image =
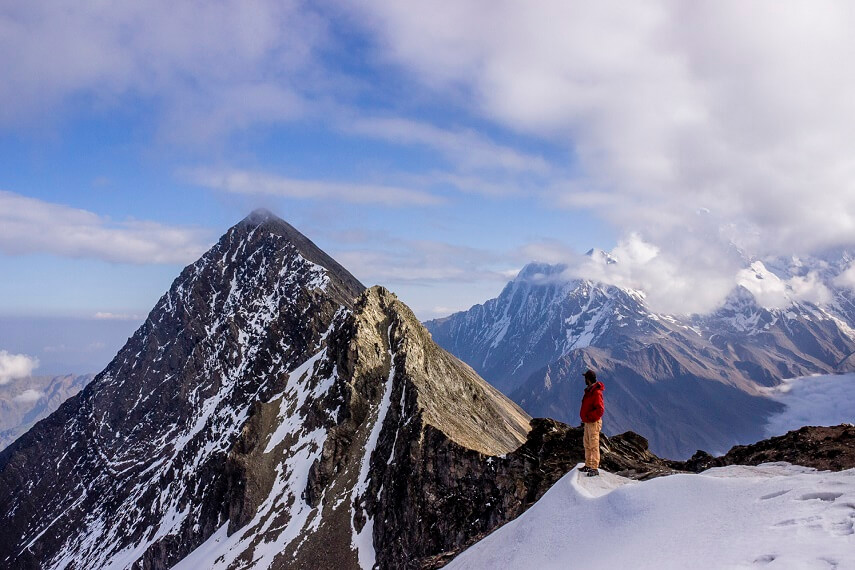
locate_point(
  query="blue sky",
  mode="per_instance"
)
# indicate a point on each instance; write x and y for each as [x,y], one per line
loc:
[432,148]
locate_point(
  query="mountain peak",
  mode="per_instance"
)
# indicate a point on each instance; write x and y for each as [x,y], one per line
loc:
[601,256]
[538,271]
[260,215]
[261,218]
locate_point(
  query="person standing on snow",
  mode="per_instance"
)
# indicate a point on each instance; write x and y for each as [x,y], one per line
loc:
[592,417]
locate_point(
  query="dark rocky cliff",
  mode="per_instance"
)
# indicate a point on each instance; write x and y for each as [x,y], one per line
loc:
[826,448]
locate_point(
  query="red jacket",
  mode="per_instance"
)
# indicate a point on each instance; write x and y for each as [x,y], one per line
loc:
[592,403]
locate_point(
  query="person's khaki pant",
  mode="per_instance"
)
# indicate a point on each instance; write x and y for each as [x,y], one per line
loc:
[591,441]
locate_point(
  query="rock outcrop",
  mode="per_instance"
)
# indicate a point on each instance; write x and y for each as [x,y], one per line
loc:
[825,448]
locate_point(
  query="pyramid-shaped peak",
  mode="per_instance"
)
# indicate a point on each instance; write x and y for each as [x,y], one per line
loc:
[273,225]
[264,217]
[260,215]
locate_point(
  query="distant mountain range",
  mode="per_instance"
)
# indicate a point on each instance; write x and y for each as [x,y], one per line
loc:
[25,401]
[688,383]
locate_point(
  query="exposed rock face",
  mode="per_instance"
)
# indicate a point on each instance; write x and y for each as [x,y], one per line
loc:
[28,400]
[824,448]
[273,412]
[484,493]
[382,402]
[135,467]
[688,383]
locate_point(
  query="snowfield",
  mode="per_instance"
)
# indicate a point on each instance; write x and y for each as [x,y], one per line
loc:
[775,516]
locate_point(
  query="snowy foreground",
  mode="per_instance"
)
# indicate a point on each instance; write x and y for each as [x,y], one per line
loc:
[773,516]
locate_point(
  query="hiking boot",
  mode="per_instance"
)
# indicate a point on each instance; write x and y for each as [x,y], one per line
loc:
[584,469]
[593,472]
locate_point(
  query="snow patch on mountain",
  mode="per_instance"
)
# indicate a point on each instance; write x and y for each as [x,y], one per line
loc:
[363,539]
[776,515]
[285,499]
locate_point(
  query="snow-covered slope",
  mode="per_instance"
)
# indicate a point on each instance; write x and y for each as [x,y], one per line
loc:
[770,516]
[537,318]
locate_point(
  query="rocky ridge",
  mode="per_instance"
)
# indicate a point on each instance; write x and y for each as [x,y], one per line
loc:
[825,448]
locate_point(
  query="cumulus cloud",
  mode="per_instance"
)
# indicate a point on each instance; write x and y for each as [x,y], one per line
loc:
[813,401]
[29,225]
[670,284]
[264,184]
[743,114]
[846,278]
[14,366]
[206,66]
[467,148]
[28,396]
[773,292]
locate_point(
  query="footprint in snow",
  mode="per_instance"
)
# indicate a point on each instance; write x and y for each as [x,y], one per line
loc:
[827,497]
[774,495]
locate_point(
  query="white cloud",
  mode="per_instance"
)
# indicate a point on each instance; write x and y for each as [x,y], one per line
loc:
[773,292]
[742,114]
[846,278]
[28,396]
[263,184]
[813,401]
[671,284]
[206,66]
[467,148]
[107,316]
[14,366]
[28,225]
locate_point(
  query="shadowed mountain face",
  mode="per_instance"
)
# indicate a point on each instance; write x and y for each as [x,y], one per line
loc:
[273,411]
[140,457]
[687,383]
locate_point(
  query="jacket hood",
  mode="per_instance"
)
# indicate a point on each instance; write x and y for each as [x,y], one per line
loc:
[595,386]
